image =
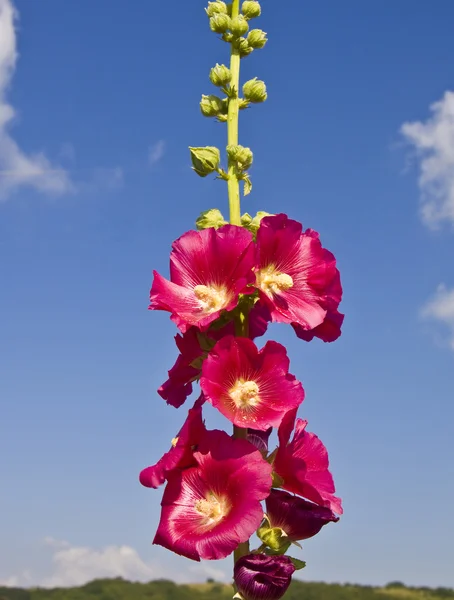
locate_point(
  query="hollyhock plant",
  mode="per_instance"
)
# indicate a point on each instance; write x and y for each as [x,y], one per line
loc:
[208,271]
[209,509]
[229,279]
[181,454]
[297,278]
[261,577]
[303,465]
[251,387]
[296,517]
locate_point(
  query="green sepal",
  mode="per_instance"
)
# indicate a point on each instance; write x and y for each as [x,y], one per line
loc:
[275,538]
[277,479]
[298,564]
[247,185]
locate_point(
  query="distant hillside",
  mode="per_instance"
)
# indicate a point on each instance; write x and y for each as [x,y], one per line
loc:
[118,589]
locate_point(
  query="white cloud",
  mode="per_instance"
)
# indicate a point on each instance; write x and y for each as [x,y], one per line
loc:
[441,308]
[18,169]
[156,152]
[76,565]
[433,141]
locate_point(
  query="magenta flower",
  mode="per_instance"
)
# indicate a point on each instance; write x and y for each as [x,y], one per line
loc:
[303,465]
[328,331]
[251,388]
[298,518]
[179,384]
[209,509]
[181,454]
[297,278]
[208,270]
[261,577]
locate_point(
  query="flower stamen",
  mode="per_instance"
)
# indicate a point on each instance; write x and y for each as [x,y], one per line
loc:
[245,394]
[211,298]
[272,281]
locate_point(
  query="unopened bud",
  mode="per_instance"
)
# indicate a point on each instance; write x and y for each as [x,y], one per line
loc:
[211,106]
[205,160]
[251,9]
[239,26]
[215,8]
[220,75]
[220,23]
[254,90]
[210,218]
[244,48]
[243,156]
[257,38]
[253,224]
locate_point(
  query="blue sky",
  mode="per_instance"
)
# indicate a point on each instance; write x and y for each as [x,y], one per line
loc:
[95,184]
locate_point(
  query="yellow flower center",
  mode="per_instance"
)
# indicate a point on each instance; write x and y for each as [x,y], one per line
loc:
[212,509]
[245,394]
[211,298]
[272,281]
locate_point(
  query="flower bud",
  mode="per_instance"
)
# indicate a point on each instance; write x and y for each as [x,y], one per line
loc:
[253,224]
[243,156]
[298,518]
[220,23]
[258,438]
[254,90]
[205,160]
[220,75]
[256,38]
[210,218]
[251,9]
[217,7]
[211,106]
[239,26]
[244,48]
[261,577]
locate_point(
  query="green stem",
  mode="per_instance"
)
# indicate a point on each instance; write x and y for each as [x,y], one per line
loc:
[233,184]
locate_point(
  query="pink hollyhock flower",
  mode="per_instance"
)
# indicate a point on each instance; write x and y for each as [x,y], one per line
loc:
[328,331]
[297,278]
[209,509]
[179,385]
[181,454]
[303,465]
[261,577]
[208,270]
[193,346]
[251,388]
[298,518]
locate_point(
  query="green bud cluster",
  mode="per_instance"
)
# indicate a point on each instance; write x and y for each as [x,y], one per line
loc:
[210,218]
[241,155]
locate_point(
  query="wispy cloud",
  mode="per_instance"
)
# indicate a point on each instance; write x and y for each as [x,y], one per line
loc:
[440,308]
[433,141]
[156,152]
[17,169]
[76,565]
